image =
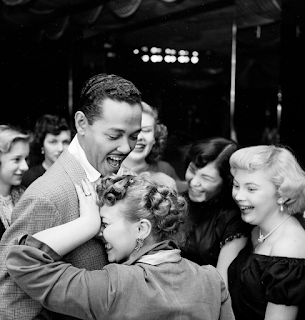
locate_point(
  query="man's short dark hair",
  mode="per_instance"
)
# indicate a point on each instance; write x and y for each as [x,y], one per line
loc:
[101,87]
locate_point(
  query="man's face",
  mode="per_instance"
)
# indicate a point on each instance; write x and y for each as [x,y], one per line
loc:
[109,140]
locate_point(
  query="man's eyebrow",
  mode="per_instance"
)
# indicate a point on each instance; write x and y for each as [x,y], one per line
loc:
[116,130]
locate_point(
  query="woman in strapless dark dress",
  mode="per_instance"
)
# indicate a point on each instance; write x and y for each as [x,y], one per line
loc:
[267,279]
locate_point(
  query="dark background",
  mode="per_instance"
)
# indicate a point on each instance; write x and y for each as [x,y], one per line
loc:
[44,44]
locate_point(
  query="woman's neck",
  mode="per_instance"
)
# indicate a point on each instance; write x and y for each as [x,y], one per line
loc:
[46,164]
[272,221]
[5,190]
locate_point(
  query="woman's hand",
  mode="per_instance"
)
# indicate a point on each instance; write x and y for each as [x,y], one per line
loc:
[87,199]
[88,205]
[66,237]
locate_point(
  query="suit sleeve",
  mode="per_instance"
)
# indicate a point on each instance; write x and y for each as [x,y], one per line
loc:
[31,214]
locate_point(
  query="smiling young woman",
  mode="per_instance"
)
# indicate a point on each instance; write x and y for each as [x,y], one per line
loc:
[269,189]
[14,150]
[147,154]
[216,232]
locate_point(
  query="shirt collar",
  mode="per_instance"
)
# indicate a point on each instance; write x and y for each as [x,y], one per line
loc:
[77,151]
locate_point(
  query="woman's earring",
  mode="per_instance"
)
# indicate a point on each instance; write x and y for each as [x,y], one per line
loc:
[42,151]
[281,205]
[139,245]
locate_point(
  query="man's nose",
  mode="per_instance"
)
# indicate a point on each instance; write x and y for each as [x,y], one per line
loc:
[125,147]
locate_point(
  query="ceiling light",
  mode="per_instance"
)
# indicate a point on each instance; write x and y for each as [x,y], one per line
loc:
[145,58]
[194,60]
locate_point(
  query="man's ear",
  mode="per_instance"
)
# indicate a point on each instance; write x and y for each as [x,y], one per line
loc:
[81,122]
[144,228]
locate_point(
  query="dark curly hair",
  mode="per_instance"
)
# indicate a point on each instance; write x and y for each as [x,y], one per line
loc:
[218,150]
[48,123]
[161,134]
[146,199]
[101,87]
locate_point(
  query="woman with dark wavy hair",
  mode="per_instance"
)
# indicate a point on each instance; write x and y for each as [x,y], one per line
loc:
[215,231]
[52,136]
[141,224]
[147,154]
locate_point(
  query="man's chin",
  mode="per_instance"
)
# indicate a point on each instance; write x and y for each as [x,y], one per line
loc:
[110,170]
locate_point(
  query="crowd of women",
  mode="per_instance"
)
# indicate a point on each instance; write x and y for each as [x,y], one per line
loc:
[233,230]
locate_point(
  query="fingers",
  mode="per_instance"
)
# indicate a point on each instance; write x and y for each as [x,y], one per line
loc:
[86,189]
[79,190]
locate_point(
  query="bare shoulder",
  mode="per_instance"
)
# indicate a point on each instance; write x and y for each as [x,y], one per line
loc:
[291,244]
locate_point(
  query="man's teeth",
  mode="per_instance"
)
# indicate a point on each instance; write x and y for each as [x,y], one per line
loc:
[246,208]
[115,161]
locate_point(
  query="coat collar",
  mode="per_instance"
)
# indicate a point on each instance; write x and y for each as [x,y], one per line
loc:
[157,253]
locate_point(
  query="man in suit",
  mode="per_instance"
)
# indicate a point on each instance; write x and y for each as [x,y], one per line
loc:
[108,122]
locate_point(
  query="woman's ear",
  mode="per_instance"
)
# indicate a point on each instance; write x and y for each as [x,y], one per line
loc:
[282,200]
[144,228]
[81,122]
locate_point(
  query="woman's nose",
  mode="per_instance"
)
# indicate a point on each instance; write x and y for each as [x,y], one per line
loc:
[60,147]
[237,195]
[24,165]
[195,181]
[140,136]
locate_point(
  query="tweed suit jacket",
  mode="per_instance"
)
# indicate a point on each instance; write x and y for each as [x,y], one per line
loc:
[49,201]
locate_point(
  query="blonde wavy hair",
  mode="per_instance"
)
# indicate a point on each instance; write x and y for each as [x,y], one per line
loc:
[9,135]
[281,166]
